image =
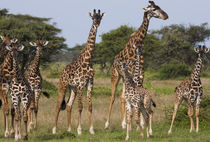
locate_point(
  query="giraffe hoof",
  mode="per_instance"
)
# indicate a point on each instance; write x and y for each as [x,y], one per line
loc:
[126,138]
[123,125]
[25,138]
[6,134]
[69,130]
[91,131]
[142,135]
[79,131]
[106,124]
[54,130]
[169,132]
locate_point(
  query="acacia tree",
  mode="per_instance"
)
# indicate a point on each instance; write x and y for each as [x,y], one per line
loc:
[27,28]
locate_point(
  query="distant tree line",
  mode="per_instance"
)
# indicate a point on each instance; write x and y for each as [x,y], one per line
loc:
[27,28]
[171,45]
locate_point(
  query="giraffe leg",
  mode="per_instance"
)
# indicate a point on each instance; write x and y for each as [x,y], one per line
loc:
[3,91]
[197,116]
[26,104]
[150,123]
[176,106]
[190,114]
[80,107]
[12,120]
[69,108]
[137,118]
[30,118]
[123,112]
[30,112]
[61,94]
[128,119]
[16,105]
[141,121]
[89,95]
[114,82]
[37,94]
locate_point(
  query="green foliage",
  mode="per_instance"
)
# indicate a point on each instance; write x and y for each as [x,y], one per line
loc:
[27,28]
[54,70]
[112,43]
[182,118]
[168,71]
[49,87]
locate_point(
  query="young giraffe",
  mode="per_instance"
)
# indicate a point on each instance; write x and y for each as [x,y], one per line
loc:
[147,98]
[20,92]
[5,79]
[35,80]
[134,97]
[128,53]
[191,91]
[76,76]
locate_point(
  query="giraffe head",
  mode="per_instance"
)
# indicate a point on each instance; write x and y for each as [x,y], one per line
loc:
[8,40]
[201,50]
[39,44]
[124,67]
[14,47]
[155,11]
[96,17]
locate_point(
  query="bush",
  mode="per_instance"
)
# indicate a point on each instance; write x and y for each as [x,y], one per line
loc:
[170,71]
[182,118]
[49,87]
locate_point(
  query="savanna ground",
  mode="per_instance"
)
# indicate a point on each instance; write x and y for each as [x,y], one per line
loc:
[162,92]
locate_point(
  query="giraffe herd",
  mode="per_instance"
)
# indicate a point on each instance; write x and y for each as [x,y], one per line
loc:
[128,65]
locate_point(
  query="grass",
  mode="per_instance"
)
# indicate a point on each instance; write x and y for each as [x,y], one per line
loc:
[162,93]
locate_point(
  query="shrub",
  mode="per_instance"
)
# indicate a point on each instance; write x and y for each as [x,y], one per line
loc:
[182,118]
[49,87]
[169,71]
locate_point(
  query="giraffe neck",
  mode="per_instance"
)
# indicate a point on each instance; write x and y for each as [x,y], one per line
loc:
[138,72]
[197,70]
[138,36]
[86,53]
[15,68]
[7,64]
[129,82]
[36,62]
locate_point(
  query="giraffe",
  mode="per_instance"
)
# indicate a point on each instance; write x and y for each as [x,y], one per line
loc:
[5,79]
[35,79]
[76,76]
[147,98]
[20,92]
[134,98]
[128,53]
[191,91]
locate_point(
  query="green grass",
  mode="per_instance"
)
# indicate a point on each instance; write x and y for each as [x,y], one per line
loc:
[179,134]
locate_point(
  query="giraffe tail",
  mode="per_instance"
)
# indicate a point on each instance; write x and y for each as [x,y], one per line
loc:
[144,112]
[46,94]
[153,103]
[0,103]
[63,105]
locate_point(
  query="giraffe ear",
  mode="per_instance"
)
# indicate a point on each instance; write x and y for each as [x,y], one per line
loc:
[206,50]
[2,37]
[14,40]
[145,9]
[20,48]
[89,14]
[45,43]
[103,14]
[196,49]
[33,43]
[9,48]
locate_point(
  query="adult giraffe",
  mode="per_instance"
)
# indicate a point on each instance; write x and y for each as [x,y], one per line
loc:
[76,76]
[6,74]
[128,53]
